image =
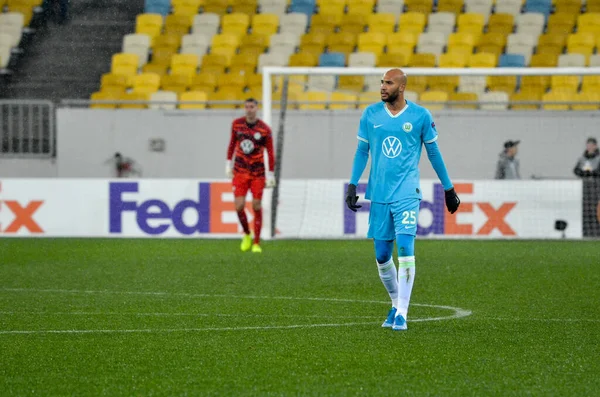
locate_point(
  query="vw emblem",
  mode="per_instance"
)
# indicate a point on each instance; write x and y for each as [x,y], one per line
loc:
[391,147]
[247,146]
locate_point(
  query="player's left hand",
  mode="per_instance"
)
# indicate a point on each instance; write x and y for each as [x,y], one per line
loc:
[270,180]
[352,198]
[452,200]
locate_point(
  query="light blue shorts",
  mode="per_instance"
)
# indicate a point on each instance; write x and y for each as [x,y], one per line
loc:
[388,220]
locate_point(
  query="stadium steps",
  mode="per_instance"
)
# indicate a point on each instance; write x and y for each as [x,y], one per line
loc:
[66,61]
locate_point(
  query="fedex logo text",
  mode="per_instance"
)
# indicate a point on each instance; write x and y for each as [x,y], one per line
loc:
[444,223]
[22,215]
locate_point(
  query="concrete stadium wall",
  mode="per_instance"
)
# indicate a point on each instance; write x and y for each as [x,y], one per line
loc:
[317,144]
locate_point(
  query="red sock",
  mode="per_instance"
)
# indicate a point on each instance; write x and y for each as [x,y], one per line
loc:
[244,221]
[257,225]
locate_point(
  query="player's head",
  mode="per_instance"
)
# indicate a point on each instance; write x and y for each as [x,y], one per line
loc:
[393,85]
[251,107]
[591,145]
[511,148]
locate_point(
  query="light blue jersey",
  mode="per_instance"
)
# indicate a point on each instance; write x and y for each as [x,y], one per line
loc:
[395,144]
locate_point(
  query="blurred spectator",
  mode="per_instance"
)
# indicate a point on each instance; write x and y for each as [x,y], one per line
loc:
[588,164]
[508,164]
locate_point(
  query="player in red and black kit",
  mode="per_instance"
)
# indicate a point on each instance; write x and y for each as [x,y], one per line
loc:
[250,136]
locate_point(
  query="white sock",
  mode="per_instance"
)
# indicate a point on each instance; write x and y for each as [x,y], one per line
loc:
[406,278]
[389,278]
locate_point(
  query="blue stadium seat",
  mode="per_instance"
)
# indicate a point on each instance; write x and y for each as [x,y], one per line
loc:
[162,7]
[307,9]
[512,61]
[332,59]
[540,6]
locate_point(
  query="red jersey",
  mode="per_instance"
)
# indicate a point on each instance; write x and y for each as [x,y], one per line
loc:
[249,142]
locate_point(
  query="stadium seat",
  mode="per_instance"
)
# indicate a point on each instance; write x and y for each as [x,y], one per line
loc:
[519,41]
[243,63]
[135,97]
[434,100]
[114,82]
[165,100]
[193,96]
[525,96]
[581,43]
[432,42]
[353,23]
[512,7]
[420,6]
[456,100]
[216,6]
[530,23]
[382,23]
[592,6]
[590,84]
[461,41]
[159,69]
[441,22]
[443,83]
[401,40]
[178,5]
[341,42]
[393,60]
[206,24]
[162,56]
[368,98]
[254,44]
[170,41]
[361,6]
[362,59]
[412,22]
[567,6]
[231,81]
[205,82]
[126,64]
[271,59]
[179,82]
[224,40]
[551,43]
[135,41]
[470,22]
[557,96]
[184,63]
[482,60]
[178,24]
[564,83]
[304,59]
[417,84]
[594,60]
[321,83]
[589,22]
[493,100]
[371,42]
[332,59]
[483,7]
[511,60]
[342,100]
[194,44]
[475,84]
[501,23]
[571,60]
[539,6]
[105,96]
[535,84]
[561,23]
[313,100]
[422,60]
[276,7]
[325,23]
[450,60]
[248,7]
[390,6]
[225,95]
[214,63]
[236,24]
[146,82]
[592,97]
[265,24]
[293,23]
[506,84]
[451,6]
[492,43]
[351,83]
[12,34]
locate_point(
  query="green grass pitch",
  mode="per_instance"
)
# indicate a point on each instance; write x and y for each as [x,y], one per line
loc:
[198,317]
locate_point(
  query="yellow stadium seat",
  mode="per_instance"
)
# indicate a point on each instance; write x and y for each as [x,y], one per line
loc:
[205,82]
[178,24]
[183,62]
[443,83]
[243,62]
[451,60]
[568,6]
[144,81]
[235,24]
[341,42]
[589,22]
[422,60]
[561,23]
[316,100]
[536,84]
[383,23]
[506,84]
[501,23]
[353,23]
[117,81]
[105,96]
[254,44]
[592,6]
[371,42]
[421,6]
[331,6]
[544,60]
[149,20]
[214,60]
[216,6]
[176,82]
[417,84]
[316,39]
[151,31]
[557,96]
[113,89]
[564,83]
[135,97]
[162,56]
[255,92]
[461,41]
[126,64]
[159,69]
[361,6]
[581,43]
[342,100]
[244,6]
[403,39]
[231,81]
[453,6]
[393,60]
[455,99]
[254,79]
[551,43]
[590,84]
[525,96]
[186,11]
[492,43]
[434,100]
[265,24]
[225,40]
[368,98]
[325,23]
[482,60]
[412,22]
[186,5]
[592,97]
[470,20]
[304,59]
[193,96]
[171,41]
[351,83]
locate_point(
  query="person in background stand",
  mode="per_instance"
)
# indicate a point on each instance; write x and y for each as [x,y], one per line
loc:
[508,164]
[588,164]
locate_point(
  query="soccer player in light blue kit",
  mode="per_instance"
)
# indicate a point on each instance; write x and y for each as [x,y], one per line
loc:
[393,132]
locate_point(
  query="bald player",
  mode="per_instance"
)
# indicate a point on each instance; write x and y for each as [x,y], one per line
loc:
[393,132]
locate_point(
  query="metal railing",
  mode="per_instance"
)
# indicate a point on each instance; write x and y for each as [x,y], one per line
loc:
[27,129]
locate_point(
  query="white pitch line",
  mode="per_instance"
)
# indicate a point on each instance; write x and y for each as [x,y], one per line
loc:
[566,320]
[32,313]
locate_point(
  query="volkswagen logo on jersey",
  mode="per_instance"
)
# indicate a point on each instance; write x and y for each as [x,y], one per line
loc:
[391,147]
[407,127]
[247,146]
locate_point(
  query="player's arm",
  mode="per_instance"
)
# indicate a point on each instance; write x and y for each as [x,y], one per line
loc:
[429,137]
[271,159]
[230,150]
[361,157]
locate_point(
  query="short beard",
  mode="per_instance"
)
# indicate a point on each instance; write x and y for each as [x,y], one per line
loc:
[392,97]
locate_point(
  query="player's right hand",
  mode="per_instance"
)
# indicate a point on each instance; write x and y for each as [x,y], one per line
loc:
[352,198]
[452,200]
[228,170]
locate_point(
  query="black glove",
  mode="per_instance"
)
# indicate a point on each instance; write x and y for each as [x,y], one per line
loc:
[452,200]
[352,198]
